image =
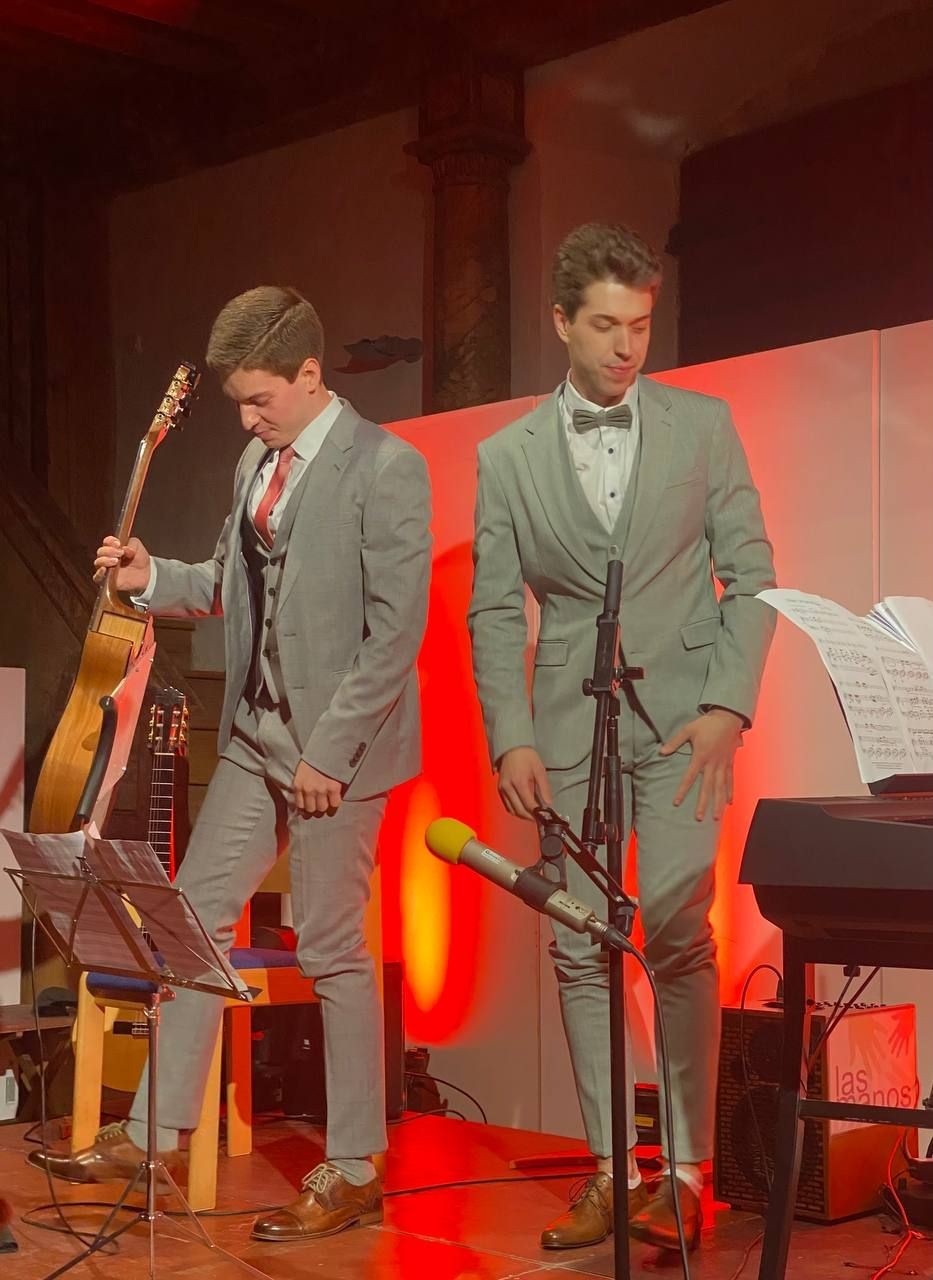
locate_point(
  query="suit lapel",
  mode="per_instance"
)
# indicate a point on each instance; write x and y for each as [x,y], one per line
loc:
[254,455]
[549,474]
[316,491]
[654,406]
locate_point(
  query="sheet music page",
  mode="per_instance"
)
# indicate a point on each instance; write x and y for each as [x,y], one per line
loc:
[914,615]
[885,618]
[884,686]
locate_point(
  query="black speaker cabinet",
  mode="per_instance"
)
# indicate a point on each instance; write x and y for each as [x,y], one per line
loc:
[842,1165]
[288,1055]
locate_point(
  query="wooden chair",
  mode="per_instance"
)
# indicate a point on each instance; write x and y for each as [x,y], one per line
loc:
[275,975]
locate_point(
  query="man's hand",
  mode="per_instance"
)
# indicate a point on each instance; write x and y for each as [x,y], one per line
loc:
[315,794]
[716,736]
[523,783]
[131,562]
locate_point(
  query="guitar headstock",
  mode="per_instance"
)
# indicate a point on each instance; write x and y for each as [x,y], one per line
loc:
[176,403]
[168,723]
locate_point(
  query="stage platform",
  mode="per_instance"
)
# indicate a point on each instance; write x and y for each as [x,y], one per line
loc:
[481,1232]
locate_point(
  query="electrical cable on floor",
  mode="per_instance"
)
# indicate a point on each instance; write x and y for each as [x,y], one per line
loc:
[426,1075]
[747,1254]
[270,1208]
[83,1237]
[438,1111]
[909,1232]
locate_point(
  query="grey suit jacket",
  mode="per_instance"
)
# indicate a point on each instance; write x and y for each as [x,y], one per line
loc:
[695,508]
[351,602]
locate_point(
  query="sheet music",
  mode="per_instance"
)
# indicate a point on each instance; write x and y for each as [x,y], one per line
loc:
[117,912]
[914,615]
[883,683]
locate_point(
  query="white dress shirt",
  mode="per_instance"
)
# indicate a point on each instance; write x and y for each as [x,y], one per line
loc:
[306,446]
[603,456]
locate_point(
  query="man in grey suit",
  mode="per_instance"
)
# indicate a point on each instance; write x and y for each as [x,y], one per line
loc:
[616,460]
[321,573]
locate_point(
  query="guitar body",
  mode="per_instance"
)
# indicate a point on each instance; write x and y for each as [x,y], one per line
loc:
[124,1054]
[105,660]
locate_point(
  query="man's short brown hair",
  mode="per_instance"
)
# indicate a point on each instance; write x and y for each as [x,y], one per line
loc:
[270,328]
[597,251]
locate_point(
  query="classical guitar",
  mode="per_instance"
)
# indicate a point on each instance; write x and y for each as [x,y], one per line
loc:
[126,1047]
[114,638]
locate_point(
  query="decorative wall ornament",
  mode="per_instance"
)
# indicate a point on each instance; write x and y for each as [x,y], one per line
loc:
[369,354]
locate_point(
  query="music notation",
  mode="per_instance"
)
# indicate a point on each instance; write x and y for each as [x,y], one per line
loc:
[881,667]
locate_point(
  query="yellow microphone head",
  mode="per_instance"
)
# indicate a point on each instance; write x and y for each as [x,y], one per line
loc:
[446,837]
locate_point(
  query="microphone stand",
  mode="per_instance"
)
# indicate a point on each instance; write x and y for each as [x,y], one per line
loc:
[606,767]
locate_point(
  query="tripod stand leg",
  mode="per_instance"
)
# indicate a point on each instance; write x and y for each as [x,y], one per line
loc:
[193,1228]
[104,1237]
[788,1138]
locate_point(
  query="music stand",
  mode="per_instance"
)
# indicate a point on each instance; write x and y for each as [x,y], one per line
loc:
[108,908]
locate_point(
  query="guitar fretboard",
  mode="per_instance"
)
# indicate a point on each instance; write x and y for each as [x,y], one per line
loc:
[161,833]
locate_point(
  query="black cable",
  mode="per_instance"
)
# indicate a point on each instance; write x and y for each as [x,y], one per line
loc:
[478,1182]
[749,1247]
[68,1229]
[426,1075]
[829,1024]
[270,1208]
[83,1237]
[438,1111]
[743,1060]
[836,1016]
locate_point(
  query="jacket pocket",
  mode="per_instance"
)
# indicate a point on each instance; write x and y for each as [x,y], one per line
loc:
[551,653]
[691,477]
[704,631]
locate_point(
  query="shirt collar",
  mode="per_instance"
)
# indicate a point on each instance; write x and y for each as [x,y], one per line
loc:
[307,443]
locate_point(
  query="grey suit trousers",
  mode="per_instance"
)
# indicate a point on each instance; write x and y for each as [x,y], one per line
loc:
[676,884]
[245,821]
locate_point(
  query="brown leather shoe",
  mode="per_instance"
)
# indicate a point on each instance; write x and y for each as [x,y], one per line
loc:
[656,1223]
[589,1218]
[327,1204]
[112,1157]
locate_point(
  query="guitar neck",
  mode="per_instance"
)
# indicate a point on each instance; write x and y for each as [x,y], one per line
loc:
[108,600]
[162,810]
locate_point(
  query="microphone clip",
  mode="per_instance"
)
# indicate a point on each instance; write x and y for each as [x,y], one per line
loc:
[556,839]
[553,846]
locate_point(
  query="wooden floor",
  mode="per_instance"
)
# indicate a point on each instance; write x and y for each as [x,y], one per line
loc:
[482,1232]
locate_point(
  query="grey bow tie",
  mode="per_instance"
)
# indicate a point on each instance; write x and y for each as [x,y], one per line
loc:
[620,415]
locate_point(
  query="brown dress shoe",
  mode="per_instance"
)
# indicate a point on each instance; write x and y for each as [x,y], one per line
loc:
[112,1157]
[327,1204]
[589,1218]
[656,1223]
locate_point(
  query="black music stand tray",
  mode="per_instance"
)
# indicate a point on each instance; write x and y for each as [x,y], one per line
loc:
[803,946]
[109,909]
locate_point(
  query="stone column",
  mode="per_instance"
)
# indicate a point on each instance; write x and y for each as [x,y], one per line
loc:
[470,133]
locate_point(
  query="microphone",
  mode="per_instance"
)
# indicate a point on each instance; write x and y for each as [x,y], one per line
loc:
[455,842]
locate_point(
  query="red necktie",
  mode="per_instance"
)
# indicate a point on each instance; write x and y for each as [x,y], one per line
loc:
[272,494]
